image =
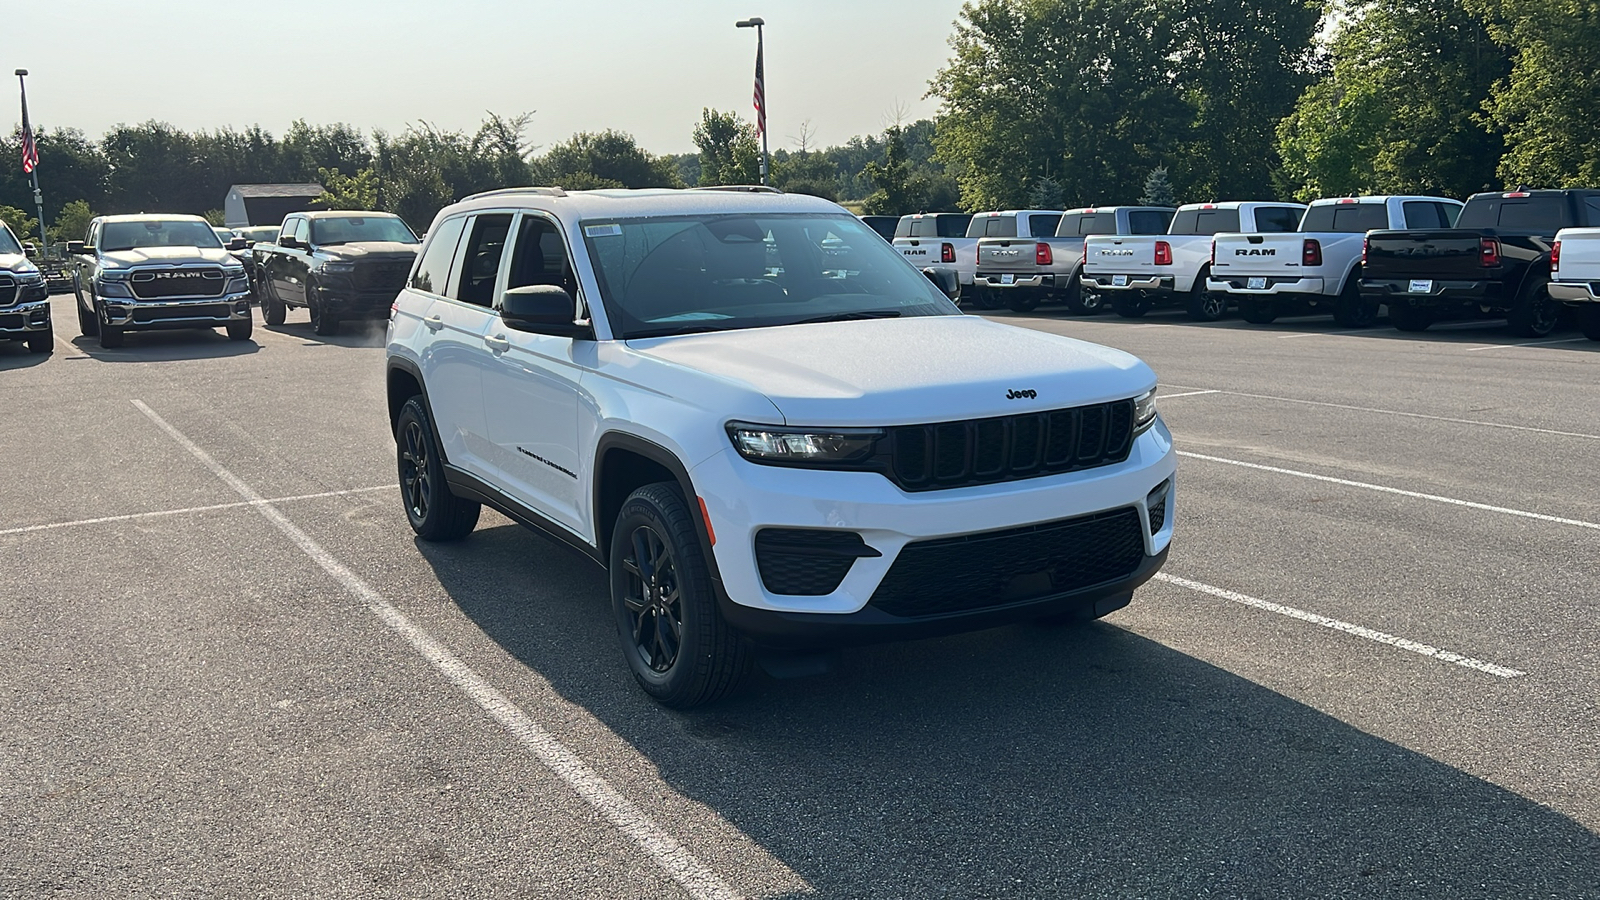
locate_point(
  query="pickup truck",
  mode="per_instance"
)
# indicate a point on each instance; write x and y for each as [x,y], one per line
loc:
[1575,276]
[938,239]
[1141,272]
[340,265]
[1317,267]
[1047,265]
[1495,258]
[24,297]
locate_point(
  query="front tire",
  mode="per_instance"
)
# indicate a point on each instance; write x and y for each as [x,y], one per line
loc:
[1536,313]
[41,342]
[111,336]
[88,325]
[1258,312]
[322,324]
[675,640]
[435,514]
[1589,320]
[240,331]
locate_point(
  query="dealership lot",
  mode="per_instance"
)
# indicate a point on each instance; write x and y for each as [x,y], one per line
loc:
[1370,667]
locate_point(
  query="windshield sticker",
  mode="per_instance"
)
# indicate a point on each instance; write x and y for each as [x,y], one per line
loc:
[602,230]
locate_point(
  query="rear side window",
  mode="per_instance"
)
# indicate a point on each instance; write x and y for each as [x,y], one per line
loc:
[953,226]
[1043,226]
[1148,221]
[1449,212]
[1423,214]
[1345,218]
[433,269]
[1076,224]
[480,264]
[1276,219]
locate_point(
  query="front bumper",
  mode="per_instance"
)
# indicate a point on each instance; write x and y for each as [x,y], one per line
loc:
[25,318]
[1272,284]
[1154,283]
[1441,293]
[1038,282]
[189,312]
[742,498]
[1575,291]
[345,301]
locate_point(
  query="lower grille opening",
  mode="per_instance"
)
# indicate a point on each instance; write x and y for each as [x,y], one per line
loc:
[1000,568]
[807,562]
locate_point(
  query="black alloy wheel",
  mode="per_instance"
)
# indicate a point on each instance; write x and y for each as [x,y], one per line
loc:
[1350,309]
[1536,313]
[1204,305]
[1084,303]
[435,514]
[674,639]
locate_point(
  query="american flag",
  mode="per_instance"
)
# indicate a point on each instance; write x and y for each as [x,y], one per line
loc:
[30,151]
[760,95]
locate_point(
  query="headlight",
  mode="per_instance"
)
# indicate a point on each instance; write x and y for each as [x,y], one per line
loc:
[112,288]
[337,268]
[1144,411]
[803,446]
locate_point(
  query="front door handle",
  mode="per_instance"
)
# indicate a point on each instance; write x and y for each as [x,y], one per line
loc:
[498,344]
[434,323]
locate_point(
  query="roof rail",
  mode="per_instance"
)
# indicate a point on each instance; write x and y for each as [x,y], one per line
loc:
[542,191]
[742,188]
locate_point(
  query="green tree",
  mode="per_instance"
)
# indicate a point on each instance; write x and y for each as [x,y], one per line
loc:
[72,223]
[1158,190]
[897,189]
[22,225]
[605,159]
[1398,110]
[1046,194]
[807,172]
[1548,108]
[729,153]
[358,191]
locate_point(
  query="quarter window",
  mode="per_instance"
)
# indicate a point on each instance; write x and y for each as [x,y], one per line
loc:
[433,269]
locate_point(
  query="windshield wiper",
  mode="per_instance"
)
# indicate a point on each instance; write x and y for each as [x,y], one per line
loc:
[851,316]
[671,332]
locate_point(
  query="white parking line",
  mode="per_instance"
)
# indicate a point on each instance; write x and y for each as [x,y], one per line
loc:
[190,509]
[1306,334]
[1184,394]
[688,871]
[1526,344]
[71,347]
[1408,415]
[1346,627]
[1397,491]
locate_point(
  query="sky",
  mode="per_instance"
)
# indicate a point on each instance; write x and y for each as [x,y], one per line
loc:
[646,67]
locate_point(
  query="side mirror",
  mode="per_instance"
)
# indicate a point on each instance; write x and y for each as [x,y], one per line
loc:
[30,251]
[542,309]
[945,279]
[76,247]
[289,242]
[238,243]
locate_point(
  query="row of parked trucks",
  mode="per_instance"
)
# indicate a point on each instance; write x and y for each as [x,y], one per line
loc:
[1422,257]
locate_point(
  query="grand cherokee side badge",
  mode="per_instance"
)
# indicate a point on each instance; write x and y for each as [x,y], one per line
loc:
[1021,395]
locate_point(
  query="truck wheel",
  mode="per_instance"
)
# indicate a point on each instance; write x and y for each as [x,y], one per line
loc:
[1350,309]
[1257,312]
[321,323]
[273,311]
[88,325]
[1406,317]
[1204,305]
[41,342]
[1131,305]
[1084,303]
[111,336]
[1589,320]
[676,642]
[1022,302]
[435,514]
[1535,314]
[240,331]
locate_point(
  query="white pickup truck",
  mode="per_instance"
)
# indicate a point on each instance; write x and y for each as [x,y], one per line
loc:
[939,239]
[1315,268]
[1033,265]
[1140,272]
[1575,276]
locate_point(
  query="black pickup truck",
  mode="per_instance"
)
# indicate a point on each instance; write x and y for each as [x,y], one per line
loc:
[1496,259]
[340,265]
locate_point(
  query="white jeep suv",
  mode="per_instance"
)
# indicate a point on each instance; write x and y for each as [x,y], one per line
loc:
[772,429]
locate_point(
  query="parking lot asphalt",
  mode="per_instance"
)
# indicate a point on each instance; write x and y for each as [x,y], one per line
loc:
[1370,669]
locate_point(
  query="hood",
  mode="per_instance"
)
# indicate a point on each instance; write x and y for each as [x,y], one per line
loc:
[376,249]
[7,260]
[907,371]
[170,256]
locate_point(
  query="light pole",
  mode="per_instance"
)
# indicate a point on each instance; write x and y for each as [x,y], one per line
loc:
[27,135]
[761,90]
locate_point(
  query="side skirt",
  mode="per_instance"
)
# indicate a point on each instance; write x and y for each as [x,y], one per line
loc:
[470,487]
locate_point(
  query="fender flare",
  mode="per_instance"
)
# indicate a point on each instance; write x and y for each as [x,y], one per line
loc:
[621,440]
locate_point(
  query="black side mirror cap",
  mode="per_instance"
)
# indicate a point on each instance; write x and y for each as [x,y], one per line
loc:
[76,247]
[945,279]
[543,309]
[288,242]
[238,243]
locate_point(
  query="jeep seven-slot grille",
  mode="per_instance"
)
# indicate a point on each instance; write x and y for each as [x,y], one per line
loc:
[186,282]
[999,568]
[382,275]
[986,451]
[8,290]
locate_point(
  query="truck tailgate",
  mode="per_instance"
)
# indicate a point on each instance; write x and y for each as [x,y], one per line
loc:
[1013,255]
[1444,254]
[1580,255]
[1132,254]
[1258,254]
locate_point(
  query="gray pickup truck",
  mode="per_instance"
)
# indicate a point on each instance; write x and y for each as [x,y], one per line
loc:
[1031,265]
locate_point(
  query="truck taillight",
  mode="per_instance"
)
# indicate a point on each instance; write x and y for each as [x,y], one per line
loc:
[1366,244]
[1488,252]
[1213,253]
[1163,253]
[1042,255]
[1555,257]
[947,253]
[1311,253]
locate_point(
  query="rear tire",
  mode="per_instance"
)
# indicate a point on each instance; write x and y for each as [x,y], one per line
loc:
[435,514]
[1083,303]
[676,643]
[1204,305]
[1536,313]
[1131,305]
[1406,317]
[1351,310]
[1589,320]
[1258,312]
[273,312]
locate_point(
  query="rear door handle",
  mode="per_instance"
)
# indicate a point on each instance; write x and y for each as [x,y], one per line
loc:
[498,344]
[434,322]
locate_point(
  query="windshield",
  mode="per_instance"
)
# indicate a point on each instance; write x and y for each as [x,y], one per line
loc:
[8,241]
[682,274]
[224,235]
[160,233]
[360,229]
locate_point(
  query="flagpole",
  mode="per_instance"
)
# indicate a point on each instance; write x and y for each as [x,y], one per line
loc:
[761,89]
[38,196]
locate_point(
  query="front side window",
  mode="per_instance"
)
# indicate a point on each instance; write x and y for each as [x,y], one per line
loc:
[158,233]
[480,262]
[433,268]
[302,231]
[361,229]
[682,274]
[540,257]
